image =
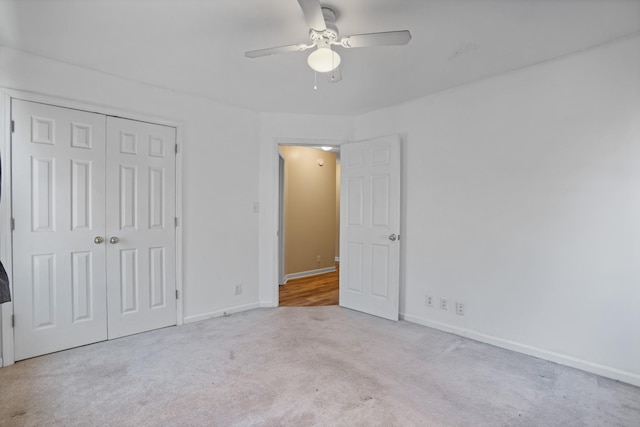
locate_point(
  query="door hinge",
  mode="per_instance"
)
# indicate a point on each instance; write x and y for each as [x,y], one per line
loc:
[176,148]
[177,294]
[13,126]
[13,320]
[13,224]
[176,221]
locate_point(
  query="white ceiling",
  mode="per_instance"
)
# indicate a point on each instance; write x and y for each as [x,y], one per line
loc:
[197,46]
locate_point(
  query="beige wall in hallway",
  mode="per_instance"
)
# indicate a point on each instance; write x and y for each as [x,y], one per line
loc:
[309,209]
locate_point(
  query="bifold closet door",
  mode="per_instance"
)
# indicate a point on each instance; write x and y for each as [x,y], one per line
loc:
[59,281]
[140,191]
[94,238]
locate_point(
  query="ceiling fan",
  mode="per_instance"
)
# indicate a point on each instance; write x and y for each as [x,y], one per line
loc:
[324,34]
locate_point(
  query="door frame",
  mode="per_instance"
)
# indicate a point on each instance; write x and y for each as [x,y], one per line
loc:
[7,356]
[281,219]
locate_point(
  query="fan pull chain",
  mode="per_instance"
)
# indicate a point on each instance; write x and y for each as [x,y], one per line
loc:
[315,80]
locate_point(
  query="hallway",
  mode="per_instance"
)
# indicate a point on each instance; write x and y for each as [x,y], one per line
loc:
[320,290]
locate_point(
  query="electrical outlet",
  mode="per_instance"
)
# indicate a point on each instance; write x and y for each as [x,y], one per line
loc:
[428,300]
[444,304]
[318,258]
[237,290]
[460,308]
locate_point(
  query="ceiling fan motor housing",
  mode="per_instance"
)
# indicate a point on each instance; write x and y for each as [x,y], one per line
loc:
[329,36]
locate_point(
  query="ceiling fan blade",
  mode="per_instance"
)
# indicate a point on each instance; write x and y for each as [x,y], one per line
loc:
[276,50]
[334,76]
[313,14]
[390,38]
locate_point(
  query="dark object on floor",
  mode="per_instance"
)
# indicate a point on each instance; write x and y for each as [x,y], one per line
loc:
[5,292]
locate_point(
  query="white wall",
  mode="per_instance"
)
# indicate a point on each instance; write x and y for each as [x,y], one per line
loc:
[522,200]
[220,173]
[280,128]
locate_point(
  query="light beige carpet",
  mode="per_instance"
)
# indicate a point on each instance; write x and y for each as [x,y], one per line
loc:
[306,366]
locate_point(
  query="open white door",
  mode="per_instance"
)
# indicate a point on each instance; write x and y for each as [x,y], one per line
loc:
[370,226]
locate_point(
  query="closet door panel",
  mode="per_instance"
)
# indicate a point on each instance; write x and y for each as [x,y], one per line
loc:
[140,226]
[59,286]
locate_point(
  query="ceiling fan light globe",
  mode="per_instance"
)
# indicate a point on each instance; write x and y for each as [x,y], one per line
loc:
[323,60]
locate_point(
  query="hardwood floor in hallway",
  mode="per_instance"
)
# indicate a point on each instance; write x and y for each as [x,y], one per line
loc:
[311,291]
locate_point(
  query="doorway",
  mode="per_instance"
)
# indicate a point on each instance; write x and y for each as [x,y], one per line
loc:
[370,223]
[309,224]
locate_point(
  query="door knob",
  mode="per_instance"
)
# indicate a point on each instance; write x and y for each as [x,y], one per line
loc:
[114,240]
[98,240]
[393,237]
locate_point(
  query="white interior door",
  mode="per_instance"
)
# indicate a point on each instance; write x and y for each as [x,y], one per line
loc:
[140,226]
[59,209]
[370,226]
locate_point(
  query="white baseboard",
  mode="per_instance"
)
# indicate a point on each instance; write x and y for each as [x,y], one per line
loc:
[220,313]
[268,304]
[309,273]
[605,371]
